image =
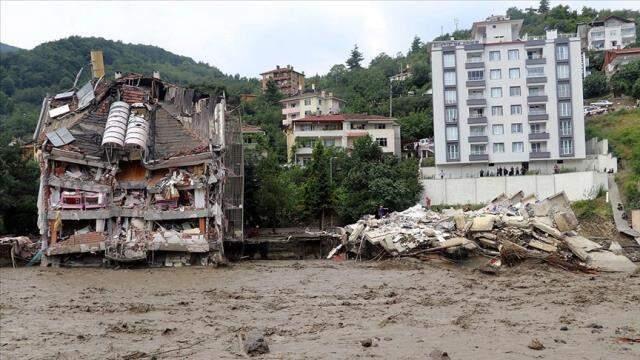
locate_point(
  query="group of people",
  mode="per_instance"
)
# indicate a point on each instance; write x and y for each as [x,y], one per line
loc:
[504,172]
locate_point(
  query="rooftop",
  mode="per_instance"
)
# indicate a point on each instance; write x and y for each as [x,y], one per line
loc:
[344,117]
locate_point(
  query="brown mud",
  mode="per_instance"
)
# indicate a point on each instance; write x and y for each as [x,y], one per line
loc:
[318,310]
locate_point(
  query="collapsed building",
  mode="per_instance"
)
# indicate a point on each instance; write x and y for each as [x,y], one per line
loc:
[138,169]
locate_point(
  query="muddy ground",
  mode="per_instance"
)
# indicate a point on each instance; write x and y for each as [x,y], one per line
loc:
[318,310]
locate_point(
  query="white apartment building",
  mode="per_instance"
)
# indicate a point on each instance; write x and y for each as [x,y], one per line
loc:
[503,101]
[611,33]
[340,130]
[310,103]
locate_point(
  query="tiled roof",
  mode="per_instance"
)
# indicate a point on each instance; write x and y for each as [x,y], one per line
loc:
[171,138]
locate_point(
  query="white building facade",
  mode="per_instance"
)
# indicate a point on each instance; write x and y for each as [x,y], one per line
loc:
[502,101]
[340,131]
[611,33]
[312,103]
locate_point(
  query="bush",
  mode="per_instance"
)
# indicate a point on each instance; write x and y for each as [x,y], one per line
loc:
[635,90]
[595,85]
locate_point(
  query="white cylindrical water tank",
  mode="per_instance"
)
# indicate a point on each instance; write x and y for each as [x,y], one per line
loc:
[116,126]
[137,132]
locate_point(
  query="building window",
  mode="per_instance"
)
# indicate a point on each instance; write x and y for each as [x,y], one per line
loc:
[534,54]
[478,130]
[536,91]
[496,92]
[452,133]
[537,147]
[565,127]
[449,60]
[494,55]
[306,127]
[564,90]
[476,113]
[516,128]
[514,54]
[358,126]
[516,109]
[497,129]
[475,75]
[517,147]
[562,52]
[474,58]
[514,91]
[476,94]
[452,152]
[329,142]
[495,74]
[535,71]
[381,126]
[478,149]
[451,114]
[307,101]
[450,97]
[564,108]
[537,128]
[562,71]
[496,110]
[293,116]
[293,105]
[514,73]
[319,101]
[498,147]
[382,141]
[449,78]
[566,146]
[539,109]
[307,112]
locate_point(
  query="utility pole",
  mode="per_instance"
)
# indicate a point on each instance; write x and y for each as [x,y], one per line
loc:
[390,97]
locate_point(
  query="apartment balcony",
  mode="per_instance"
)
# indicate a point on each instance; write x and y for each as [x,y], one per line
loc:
[535,41]
[477,120]
[478,157]
[537,61]
[538,116]
[567,153]
[566,133]
[475,83]
[477,101]
[539,155]
[453,43]
[474,46]
[536,79]
[474,65]
[304,150]
[478,139]
[537,98]
[319,133]
[539,136]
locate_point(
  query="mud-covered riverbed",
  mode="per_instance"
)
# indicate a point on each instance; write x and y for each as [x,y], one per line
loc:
[317,310]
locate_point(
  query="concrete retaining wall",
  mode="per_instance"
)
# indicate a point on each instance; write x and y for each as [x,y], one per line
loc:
[577,186]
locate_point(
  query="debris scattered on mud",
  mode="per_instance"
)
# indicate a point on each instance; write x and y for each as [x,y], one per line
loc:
[255,343]
[535,344]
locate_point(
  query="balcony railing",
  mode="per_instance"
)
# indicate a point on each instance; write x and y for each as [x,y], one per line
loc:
[537,111]
[447,43]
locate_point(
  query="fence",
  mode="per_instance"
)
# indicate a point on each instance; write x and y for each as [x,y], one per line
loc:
[577,186]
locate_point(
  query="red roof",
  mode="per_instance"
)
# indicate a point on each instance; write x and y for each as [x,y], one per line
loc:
[341,118]
[610,55]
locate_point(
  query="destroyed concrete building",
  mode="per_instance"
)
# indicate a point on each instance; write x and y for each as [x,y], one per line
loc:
[138,169]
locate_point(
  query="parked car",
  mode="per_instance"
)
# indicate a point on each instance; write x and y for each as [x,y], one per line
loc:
[593,110]
[602,103]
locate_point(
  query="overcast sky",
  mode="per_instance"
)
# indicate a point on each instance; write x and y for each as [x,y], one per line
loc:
[251,37]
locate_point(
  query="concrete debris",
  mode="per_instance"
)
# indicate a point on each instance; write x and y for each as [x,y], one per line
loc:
[507,230]
[255,344]
[17,250]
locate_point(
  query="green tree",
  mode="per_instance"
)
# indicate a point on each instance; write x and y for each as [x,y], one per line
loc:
[544,7]
[18,189]
[272,93]
[415,126]
[318,193]
[7,85]
[618,86]
[595,85]
[635,90]
[354,60]
[416,44]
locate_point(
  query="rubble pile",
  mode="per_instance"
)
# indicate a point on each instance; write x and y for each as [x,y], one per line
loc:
[507,230]
[18,249]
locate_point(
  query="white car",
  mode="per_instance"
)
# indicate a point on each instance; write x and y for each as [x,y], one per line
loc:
[602,103]
[593,110]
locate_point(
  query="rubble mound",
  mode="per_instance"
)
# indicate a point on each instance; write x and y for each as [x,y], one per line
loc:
[508,230]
